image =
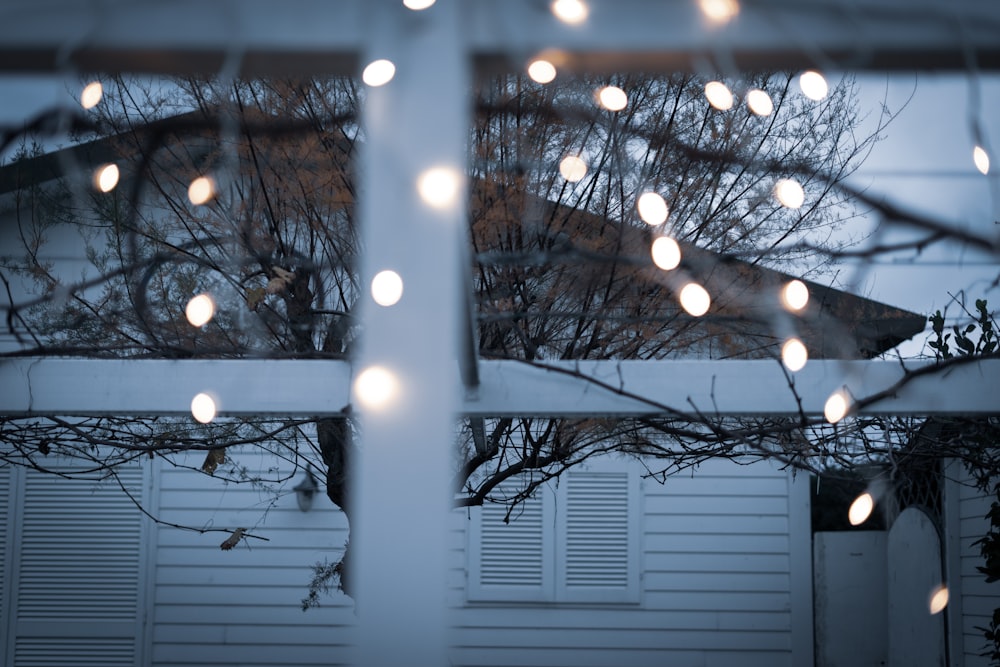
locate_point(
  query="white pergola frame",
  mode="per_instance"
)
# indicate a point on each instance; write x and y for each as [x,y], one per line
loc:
[419,121]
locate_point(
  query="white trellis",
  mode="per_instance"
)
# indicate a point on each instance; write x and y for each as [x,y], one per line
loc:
[419,122]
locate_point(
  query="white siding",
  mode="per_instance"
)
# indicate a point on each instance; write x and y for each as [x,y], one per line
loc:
[715,590]
[243,607]
[979,598]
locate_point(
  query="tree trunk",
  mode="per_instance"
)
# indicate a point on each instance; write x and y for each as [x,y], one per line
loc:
[337,449]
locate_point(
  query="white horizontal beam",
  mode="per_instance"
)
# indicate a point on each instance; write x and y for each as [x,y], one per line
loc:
[320,36]
[571,389]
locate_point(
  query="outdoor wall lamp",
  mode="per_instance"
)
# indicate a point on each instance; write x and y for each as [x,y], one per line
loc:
[305,492]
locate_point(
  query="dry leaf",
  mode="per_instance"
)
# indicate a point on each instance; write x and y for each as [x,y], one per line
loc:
[280,282]
[233,539]
[213,460]
[255,296]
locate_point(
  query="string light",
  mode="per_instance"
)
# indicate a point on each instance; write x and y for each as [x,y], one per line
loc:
[938,599]
[666,253]
[612,98]
[789,193]
[982,160]
[695,299]
[760,102]
[861,509]
[376,387]
[201,190]
[718,95]
[200,310]
[795,295]
[719,11]
[91,95]
[418,5]
[794,355]
[106,177]
[387,288]
[836,407]
[573,168]
[438,187]
[378,73]
[652,208]
[541,71]
[813,85]
[203,408]
[570,11]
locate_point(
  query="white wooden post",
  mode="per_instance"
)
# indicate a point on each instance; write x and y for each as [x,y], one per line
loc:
[415,123]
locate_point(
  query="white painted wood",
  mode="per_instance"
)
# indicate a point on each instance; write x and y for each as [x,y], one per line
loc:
[800,569]
[953,473]
[851,598]
[318,36]
[317,387]
[914,558]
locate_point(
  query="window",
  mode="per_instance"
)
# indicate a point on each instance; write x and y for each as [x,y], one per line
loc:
[576,540]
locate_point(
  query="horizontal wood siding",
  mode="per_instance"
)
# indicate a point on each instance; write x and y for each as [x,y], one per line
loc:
[243,606]
[979,598]
[715,586]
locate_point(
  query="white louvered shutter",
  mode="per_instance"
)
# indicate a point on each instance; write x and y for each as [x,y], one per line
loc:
[512,561]
[5,515]
[598,537]
[78,572]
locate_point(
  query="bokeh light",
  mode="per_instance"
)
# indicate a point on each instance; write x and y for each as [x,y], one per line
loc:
[789,193]
[718,95]
[938,599]
[378,73]
[570,11]
[760,102]
[836,407]
[573,168]
[541,71]
[91,95]
[794,354]
[439,187]
[106,177]
[200,310]
[201,190]
[666,253]
[387,288]
[203,408]
[861,509]
[612,98]
[695,299]
[719,11]
[376,387]
[813,85]
[418,5]
[652,208]
[795,295]
[982,160]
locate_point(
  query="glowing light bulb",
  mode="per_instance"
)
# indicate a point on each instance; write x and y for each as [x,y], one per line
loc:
[719,11]
[794,355]
[572,168]
[861,509]
[795,295]
[570,11]
[387,288]
[439,187]
[200,310]
[760,102]
[376,387]
[938,599]
[612,98]
[201,190]
[378,73]
[203,408]
[982,160]
[418,5]
[91,95]
[106,177]
[813,85]
[836,407]
[541,71]
[695,299]
[652,208]
[789,193]
[718,95]
[666,253]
